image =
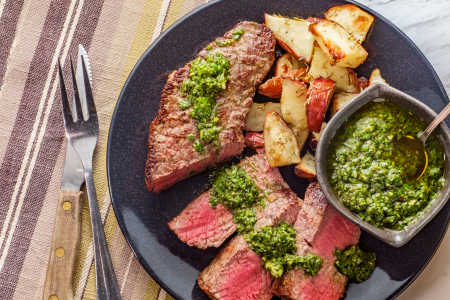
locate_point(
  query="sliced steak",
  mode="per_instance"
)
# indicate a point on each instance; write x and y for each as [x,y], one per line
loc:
[322,226]
[320,229]
[328,284]
[202,226]
[284,208]
[172,157]
[237,273]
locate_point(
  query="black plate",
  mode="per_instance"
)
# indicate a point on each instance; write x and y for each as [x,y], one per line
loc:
[143,216]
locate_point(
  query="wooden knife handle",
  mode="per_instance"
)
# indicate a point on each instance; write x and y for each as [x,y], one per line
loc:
[65,246]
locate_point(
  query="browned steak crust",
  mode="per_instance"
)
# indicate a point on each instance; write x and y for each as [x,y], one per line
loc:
[172,157]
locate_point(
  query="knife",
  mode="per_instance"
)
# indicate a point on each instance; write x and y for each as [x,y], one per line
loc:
[67,229]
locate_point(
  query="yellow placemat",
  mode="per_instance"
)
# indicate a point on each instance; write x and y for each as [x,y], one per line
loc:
[33,34]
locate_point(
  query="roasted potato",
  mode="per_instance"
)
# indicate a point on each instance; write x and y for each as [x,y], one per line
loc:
[319,96]
[375,77]
[301,135]
[288,63]
[346,79]
[279,141]
[362,83]
[340,100]
[254,140]
[257,115]
[356,21]
[306,169]
[341,47]
[293,99]
[292,35]
[315,136]
[273,87]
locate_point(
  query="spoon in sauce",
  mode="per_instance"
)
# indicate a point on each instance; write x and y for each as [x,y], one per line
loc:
[418,144]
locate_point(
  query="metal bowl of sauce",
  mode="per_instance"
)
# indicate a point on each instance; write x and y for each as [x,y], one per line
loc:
[363,172]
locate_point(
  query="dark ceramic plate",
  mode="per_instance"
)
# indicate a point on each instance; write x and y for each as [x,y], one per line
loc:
[143,216]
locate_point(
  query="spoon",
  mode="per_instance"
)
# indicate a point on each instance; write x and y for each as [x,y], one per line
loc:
[418,144]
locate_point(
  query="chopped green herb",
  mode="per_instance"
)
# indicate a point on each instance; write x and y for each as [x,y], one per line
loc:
[277,247]
[208,78]
[208,48]
[354,263]
[236,36]
[369,171]
[191,137]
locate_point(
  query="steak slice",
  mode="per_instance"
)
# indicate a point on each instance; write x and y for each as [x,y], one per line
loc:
[320,229]
[172,156]
[202,226]
[328,284]
[322,226]
[236,273]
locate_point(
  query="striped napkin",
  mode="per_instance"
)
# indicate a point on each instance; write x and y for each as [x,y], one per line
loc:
[32,144]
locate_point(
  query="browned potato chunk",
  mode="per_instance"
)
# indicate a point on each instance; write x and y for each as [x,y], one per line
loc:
[352,18]
[273,87]
[306,169]
[320,93]
[254,140]
[301,135]
[346,80]
[292,35]
[279,141]
[340,100]
[315,136]
[257,115]
[288,63]
[375,77]
[341,47]
[293,99]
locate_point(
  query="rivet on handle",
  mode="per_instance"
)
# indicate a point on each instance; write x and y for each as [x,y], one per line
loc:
[53,297]
[60,253]
[67,205]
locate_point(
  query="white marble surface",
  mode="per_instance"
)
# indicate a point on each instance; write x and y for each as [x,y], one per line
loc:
[427,24]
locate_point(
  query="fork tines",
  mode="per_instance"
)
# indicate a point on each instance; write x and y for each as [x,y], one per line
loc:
[67,112]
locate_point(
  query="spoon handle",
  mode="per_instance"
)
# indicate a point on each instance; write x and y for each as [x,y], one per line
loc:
[441,117]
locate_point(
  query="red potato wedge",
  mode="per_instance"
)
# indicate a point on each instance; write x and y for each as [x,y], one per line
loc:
[292,35]
[346,79]
[306,169]
[375,77]
[254,140]
[315,136]
[301,135]
[288,63]
[293,99]
[363,83]
[313,20]
[257,115]
[340,100]
[355,20]
[273,87]
[319,96]
[279,141]
[342,49]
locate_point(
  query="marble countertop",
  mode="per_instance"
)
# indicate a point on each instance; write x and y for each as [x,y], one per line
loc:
[426,23]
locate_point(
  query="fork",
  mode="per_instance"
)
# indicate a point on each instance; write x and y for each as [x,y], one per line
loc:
[83,135]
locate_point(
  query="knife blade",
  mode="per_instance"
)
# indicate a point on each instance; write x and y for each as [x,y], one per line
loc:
[67,229]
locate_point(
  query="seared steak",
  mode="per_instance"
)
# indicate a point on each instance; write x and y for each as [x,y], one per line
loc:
[322,226]
[328,284]
[237,273]
[202,226]
[172,156]
[320,229]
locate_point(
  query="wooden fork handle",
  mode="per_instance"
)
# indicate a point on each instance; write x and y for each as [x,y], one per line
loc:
[65,247]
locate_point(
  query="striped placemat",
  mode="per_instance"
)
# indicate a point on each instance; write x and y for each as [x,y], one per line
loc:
[33,34]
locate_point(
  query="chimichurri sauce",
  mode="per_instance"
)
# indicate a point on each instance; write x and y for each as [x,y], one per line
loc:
[354,263]
[369,171]
[208,78]
[232,187]
[276,245]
